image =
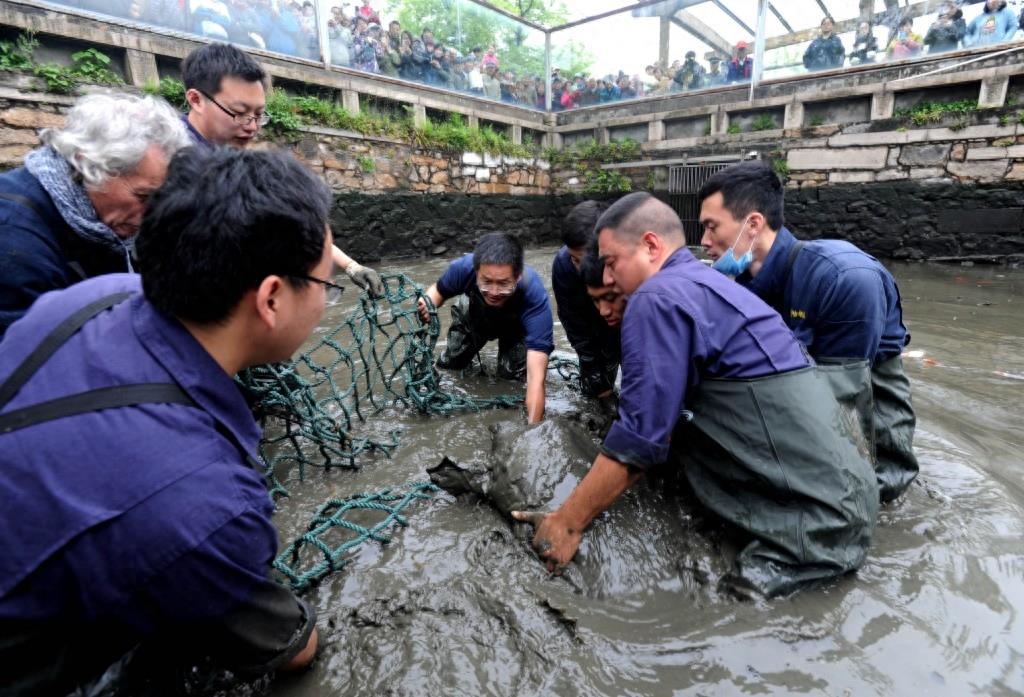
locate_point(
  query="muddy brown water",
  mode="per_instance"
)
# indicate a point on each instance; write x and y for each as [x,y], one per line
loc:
[457,604]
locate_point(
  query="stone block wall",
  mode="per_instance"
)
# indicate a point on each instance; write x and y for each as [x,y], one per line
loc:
[915,219]
[952,190]
[20,126]
[982,153]
[352,162]
[445,224]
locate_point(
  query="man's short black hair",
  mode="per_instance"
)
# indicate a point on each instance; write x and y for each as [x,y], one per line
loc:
[592,270]
[578,228]
[634,214]
[498,248]
[207,66]
[222,222]
[748,187]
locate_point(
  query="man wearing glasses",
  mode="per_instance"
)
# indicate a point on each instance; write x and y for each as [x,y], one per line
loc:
[499,298]
[136,525]
[226,101]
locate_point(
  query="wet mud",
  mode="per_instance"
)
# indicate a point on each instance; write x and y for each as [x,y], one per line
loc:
[650,536]
[458,604]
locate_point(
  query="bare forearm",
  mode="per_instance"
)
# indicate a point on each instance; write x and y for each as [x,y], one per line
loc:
[435,296]
[604,483]
[341,260]
[536,374]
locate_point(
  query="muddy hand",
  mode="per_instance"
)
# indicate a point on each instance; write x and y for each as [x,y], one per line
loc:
[367,279]
[423,310]
[554,541]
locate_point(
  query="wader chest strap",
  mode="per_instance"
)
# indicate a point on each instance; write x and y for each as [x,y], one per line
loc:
[53,341]
[794,252]
[83,402]
[94,400]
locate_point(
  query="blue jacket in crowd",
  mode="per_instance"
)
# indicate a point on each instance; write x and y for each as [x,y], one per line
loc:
[133,522]
[39,252]
[991,27]
[839,301]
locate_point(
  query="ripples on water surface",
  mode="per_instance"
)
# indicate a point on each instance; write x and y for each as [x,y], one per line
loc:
[458,605]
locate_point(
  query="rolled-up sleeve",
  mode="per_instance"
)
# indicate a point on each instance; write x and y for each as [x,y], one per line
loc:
[657,366]
[456,277]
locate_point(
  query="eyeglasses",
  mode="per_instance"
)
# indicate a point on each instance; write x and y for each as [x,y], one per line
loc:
[334,291]
[503,288]
[239,119]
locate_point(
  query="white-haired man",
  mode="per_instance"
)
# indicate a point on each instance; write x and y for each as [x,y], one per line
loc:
[72,211]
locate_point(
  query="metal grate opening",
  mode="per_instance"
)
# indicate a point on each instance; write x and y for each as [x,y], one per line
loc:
[684,181]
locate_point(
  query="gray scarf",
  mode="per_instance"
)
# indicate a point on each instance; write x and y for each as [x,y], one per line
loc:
[57,177]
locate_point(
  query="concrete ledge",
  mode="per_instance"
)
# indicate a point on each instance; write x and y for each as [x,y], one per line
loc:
[846,158]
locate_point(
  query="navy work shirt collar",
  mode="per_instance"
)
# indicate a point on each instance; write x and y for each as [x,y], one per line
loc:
[197,373]
[770,282]
[677,258]
[197,138]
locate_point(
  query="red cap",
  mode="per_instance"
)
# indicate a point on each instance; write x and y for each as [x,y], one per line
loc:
[741,44]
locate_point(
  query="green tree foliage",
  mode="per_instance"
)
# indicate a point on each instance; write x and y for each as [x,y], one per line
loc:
[464,25]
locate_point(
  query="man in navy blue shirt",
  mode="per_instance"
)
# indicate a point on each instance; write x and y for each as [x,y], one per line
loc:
[841,303]
[595,342]
[711,376]
[135,513]
[608,301]
[226,106]
[499,298]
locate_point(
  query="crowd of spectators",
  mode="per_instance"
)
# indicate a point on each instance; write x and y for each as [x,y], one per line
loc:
[948,32]
[358,39]
[282,26]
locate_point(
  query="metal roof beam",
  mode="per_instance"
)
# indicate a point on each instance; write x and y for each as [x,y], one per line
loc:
[782,20]
[733,17]
[884,18]
[689,23]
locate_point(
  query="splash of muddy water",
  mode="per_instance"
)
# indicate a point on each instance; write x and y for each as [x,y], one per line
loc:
[457,604]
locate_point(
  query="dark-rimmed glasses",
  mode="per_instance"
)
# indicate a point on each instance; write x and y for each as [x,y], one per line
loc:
[334,291]
[239,119]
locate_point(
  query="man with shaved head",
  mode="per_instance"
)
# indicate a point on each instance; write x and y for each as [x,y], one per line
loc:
[714,381]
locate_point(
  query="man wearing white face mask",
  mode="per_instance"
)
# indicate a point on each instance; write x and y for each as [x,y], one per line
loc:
[716,386]
[840,302]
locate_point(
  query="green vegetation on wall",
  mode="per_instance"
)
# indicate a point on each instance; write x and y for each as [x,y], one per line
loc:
[590,151]
[586,158]
[289,113]
[170,89]
[932,112]
[764,122]
[90,66]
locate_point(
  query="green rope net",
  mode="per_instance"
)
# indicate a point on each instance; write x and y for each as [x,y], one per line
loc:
[379,358]
[338,526]
[316,412]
